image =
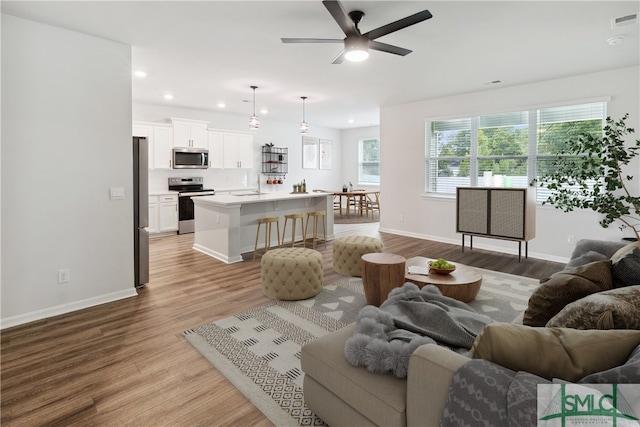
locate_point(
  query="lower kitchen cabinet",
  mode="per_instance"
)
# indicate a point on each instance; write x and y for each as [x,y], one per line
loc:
[163,214]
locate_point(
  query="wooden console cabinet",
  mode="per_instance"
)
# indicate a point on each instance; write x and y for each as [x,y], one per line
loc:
[499,213]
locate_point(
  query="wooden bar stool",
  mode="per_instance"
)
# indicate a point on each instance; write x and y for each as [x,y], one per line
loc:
[294,218]
[267,234]
[316,215]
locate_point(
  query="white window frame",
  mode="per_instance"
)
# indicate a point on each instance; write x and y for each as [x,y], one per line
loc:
[531,157]
[361,180]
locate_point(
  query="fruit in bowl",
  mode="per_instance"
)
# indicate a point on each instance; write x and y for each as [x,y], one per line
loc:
[441,266]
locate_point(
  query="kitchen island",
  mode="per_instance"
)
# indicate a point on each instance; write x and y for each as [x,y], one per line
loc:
[226,225]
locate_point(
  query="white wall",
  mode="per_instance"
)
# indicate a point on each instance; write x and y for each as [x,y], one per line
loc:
[282,134]
[402,167]
[66,139]
[349,154]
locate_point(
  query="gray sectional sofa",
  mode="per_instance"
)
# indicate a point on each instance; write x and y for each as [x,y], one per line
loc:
[345,395]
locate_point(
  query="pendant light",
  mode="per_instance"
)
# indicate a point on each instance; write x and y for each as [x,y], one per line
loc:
[254,123]
[304,126]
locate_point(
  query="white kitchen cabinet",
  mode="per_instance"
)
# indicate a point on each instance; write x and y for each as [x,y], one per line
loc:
[160,137]
[216,149]
[163,213]
[237,151]
[189,133]
[153,215]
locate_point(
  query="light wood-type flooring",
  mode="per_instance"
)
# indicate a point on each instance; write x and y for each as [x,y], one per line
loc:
[126,362]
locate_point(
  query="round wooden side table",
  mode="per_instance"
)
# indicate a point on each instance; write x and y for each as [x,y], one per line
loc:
[381,273]
[463,284]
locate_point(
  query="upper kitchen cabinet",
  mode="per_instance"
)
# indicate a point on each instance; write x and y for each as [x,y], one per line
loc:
[160,137]
[237,151]
[216,149]
[189,133]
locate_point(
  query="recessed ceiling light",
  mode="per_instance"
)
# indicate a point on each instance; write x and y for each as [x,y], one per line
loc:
[350,120]
[221,105]
[264,111]
[168,96]
[615,40]
[140,73]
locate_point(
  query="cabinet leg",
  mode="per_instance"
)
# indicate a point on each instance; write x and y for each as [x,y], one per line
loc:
[463,243]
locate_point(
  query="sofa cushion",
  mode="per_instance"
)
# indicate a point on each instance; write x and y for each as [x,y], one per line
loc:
[568,354]
[613,309]
[565,287]
[380,397]
[588,250]
[628,373]
[625,266]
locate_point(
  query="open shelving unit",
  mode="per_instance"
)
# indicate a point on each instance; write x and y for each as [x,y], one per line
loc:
[275,160]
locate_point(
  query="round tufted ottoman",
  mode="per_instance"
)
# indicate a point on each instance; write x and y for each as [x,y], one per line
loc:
[348,250]
[291,273]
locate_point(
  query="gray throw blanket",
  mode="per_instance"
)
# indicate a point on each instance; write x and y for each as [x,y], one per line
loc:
[386,337]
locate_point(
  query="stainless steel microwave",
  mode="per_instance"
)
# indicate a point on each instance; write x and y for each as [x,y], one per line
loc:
[190,158]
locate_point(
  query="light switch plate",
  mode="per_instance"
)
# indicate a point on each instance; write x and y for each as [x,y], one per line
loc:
[116,193]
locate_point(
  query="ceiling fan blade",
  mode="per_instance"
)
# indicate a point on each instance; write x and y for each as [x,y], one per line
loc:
[398,25]
[306,40]
[340,15]
[383,47]
[338,59]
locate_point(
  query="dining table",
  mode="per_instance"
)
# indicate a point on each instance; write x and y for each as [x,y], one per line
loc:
[355,198]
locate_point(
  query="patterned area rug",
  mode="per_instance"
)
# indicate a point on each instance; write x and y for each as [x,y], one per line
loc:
[259,350]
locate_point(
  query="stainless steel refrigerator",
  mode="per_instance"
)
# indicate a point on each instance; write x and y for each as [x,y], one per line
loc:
[140,210]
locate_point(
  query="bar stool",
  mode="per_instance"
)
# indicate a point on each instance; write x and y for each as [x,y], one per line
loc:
[316,215]
[294,218]
[267,233]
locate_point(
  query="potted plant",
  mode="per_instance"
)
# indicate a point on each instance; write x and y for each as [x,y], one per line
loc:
[268,146]
[588,174]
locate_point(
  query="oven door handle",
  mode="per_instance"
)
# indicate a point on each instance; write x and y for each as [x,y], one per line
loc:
[209,193]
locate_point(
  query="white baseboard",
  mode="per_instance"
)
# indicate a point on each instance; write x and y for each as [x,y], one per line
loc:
[66,308]
[482,245]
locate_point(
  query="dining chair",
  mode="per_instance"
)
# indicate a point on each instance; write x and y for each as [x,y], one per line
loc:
[373,203]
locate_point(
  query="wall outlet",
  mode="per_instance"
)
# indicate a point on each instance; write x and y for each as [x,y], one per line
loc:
[571,240]
[401,218]
[64,275]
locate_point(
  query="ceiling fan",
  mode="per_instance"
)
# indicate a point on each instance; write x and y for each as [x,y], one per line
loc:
[356,44]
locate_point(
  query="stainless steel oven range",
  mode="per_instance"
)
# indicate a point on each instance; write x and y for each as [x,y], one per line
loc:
[187,188]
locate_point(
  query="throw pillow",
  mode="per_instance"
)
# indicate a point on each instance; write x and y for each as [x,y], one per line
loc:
[568,354]
[625,266]
[613,309]
[564,288]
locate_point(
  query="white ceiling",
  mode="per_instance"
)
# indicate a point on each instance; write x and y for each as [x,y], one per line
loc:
[205,52]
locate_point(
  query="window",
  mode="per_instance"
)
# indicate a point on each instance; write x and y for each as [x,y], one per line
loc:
[507,149]
[369,161]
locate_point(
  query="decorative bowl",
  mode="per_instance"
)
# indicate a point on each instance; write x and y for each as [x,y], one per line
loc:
[442,270]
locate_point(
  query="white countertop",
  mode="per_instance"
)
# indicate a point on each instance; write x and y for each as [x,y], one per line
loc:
[162,193]
[252,197]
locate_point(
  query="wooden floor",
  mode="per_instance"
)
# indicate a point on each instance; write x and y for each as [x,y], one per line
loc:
[126,362]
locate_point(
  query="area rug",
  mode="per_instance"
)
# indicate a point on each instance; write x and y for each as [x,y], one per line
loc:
[259,350]
[355,219]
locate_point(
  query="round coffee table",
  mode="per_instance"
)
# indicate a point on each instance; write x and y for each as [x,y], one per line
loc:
[463,284]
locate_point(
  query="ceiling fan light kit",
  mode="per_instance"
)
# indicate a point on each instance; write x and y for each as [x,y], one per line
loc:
[356,48]
[356,44]
[254,123]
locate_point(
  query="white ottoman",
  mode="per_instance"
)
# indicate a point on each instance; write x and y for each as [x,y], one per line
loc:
[291,273]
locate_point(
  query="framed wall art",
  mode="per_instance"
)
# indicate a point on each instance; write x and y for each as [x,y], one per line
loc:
[309,152]
[326,153]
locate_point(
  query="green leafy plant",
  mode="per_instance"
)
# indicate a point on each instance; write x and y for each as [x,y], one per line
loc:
[269,144]
[588,175]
